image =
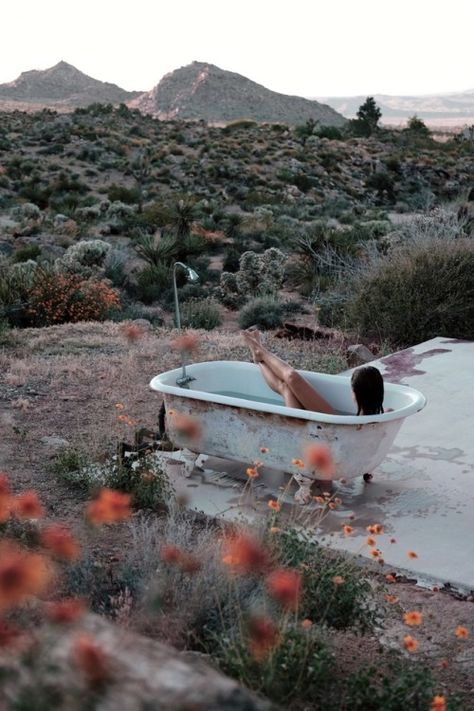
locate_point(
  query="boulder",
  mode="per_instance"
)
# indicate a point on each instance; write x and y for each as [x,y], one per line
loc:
[138,673]
[358,355]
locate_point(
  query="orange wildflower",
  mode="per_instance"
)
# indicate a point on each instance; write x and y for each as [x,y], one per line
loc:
[109,507]
[251,472]
[319,457]
[347,530]
[461,632]
[263,637]
[188,342]
[375,553]
[285,586]
[392,599]
[275,529]
[4,485]
[444,664]
[59,540]
[338,580]
[390,578]
[173,555]
[298,463]
[306,624]
[319,499]
[91,660]
[187,426]
[132,331]
[332,505]
[21,574]
[438,703]
[410,644]
[264,450]
[119,406]
[371,541]
[65,611]
[9,634]
[27,506]
[412,555]
[244,554]
[5,508]
[375,529]
[413,619]
[274,505]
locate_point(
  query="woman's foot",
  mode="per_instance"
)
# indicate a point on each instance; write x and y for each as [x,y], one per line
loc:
[252,339]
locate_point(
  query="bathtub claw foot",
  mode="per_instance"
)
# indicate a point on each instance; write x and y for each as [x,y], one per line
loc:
[188,459]
[368,477]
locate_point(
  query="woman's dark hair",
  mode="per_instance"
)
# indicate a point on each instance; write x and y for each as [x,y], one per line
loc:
[367,384]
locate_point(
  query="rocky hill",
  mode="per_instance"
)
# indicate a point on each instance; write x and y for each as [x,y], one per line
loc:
[60,87]
[440,109]
[204,91]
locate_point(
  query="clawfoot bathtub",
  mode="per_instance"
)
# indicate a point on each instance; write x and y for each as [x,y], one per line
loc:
[238,414]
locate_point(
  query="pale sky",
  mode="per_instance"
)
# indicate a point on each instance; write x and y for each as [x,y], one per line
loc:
[303,47]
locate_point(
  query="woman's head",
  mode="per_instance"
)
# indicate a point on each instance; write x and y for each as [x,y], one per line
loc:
[367,385]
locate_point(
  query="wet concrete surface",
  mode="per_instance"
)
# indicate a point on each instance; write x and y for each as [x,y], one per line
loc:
[422,494]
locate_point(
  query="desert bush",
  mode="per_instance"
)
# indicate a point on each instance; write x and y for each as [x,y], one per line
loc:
[200,313]
[29,251]
[264,312]
[68,298]
[299,667]
[350,604]
[257,274]
[85,258]
[418,292]
[152,283]
[119,193]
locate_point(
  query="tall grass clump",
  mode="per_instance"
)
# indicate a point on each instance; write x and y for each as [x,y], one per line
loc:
[419,291]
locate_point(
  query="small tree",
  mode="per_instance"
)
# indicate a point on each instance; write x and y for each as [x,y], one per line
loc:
[417,127]
[368,117]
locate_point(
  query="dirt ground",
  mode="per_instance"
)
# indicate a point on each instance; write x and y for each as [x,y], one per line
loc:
[64,382]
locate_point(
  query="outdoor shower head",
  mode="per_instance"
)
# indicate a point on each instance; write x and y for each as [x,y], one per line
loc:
[191,275]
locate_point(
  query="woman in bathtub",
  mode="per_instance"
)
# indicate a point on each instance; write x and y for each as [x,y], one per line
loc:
[367,382]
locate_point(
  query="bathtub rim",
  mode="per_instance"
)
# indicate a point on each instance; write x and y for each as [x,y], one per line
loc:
[417,404]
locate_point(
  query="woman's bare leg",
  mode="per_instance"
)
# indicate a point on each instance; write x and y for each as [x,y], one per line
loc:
[280,387]
[304,393]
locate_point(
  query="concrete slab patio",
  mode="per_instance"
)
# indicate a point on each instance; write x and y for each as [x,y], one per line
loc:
[422,494]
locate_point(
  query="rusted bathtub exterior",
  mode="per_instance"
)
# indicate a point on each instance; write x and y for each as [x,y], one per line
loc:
[235,428]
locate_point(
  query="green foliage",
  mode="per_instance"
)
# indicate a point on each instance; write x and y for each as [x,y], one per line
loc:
[200,313]
[120,193]
[339,606]
[404,687]
[333,133]
[29,251]
[417,127]
[368,117]
[152,282]
[419,291]
[264,312]
[69,465]
[299,668]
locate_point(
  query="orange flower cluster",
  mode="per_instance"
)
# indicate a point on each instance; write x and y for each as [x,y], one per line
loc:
[91,660]
[66,611]
[187,342]
[174,555]
[244,554]
[413,619]
[132,332]
[376,529]
[68,298]
[410,644]
[21,574]
[285,587]
[25,506]
[59,540]
[185,425]
[263,637]
[274,505]
[438,703]
[461,632]
[319,458]
[109,507]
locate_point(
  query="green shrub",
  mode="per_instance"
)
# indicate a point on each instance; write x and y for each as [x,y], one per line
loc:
[299,668]
[29,251]
[199,313]
[343,606]
[333,133]
[263,312]
[405,687]
[152,282]
[418,292]
[119,193]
